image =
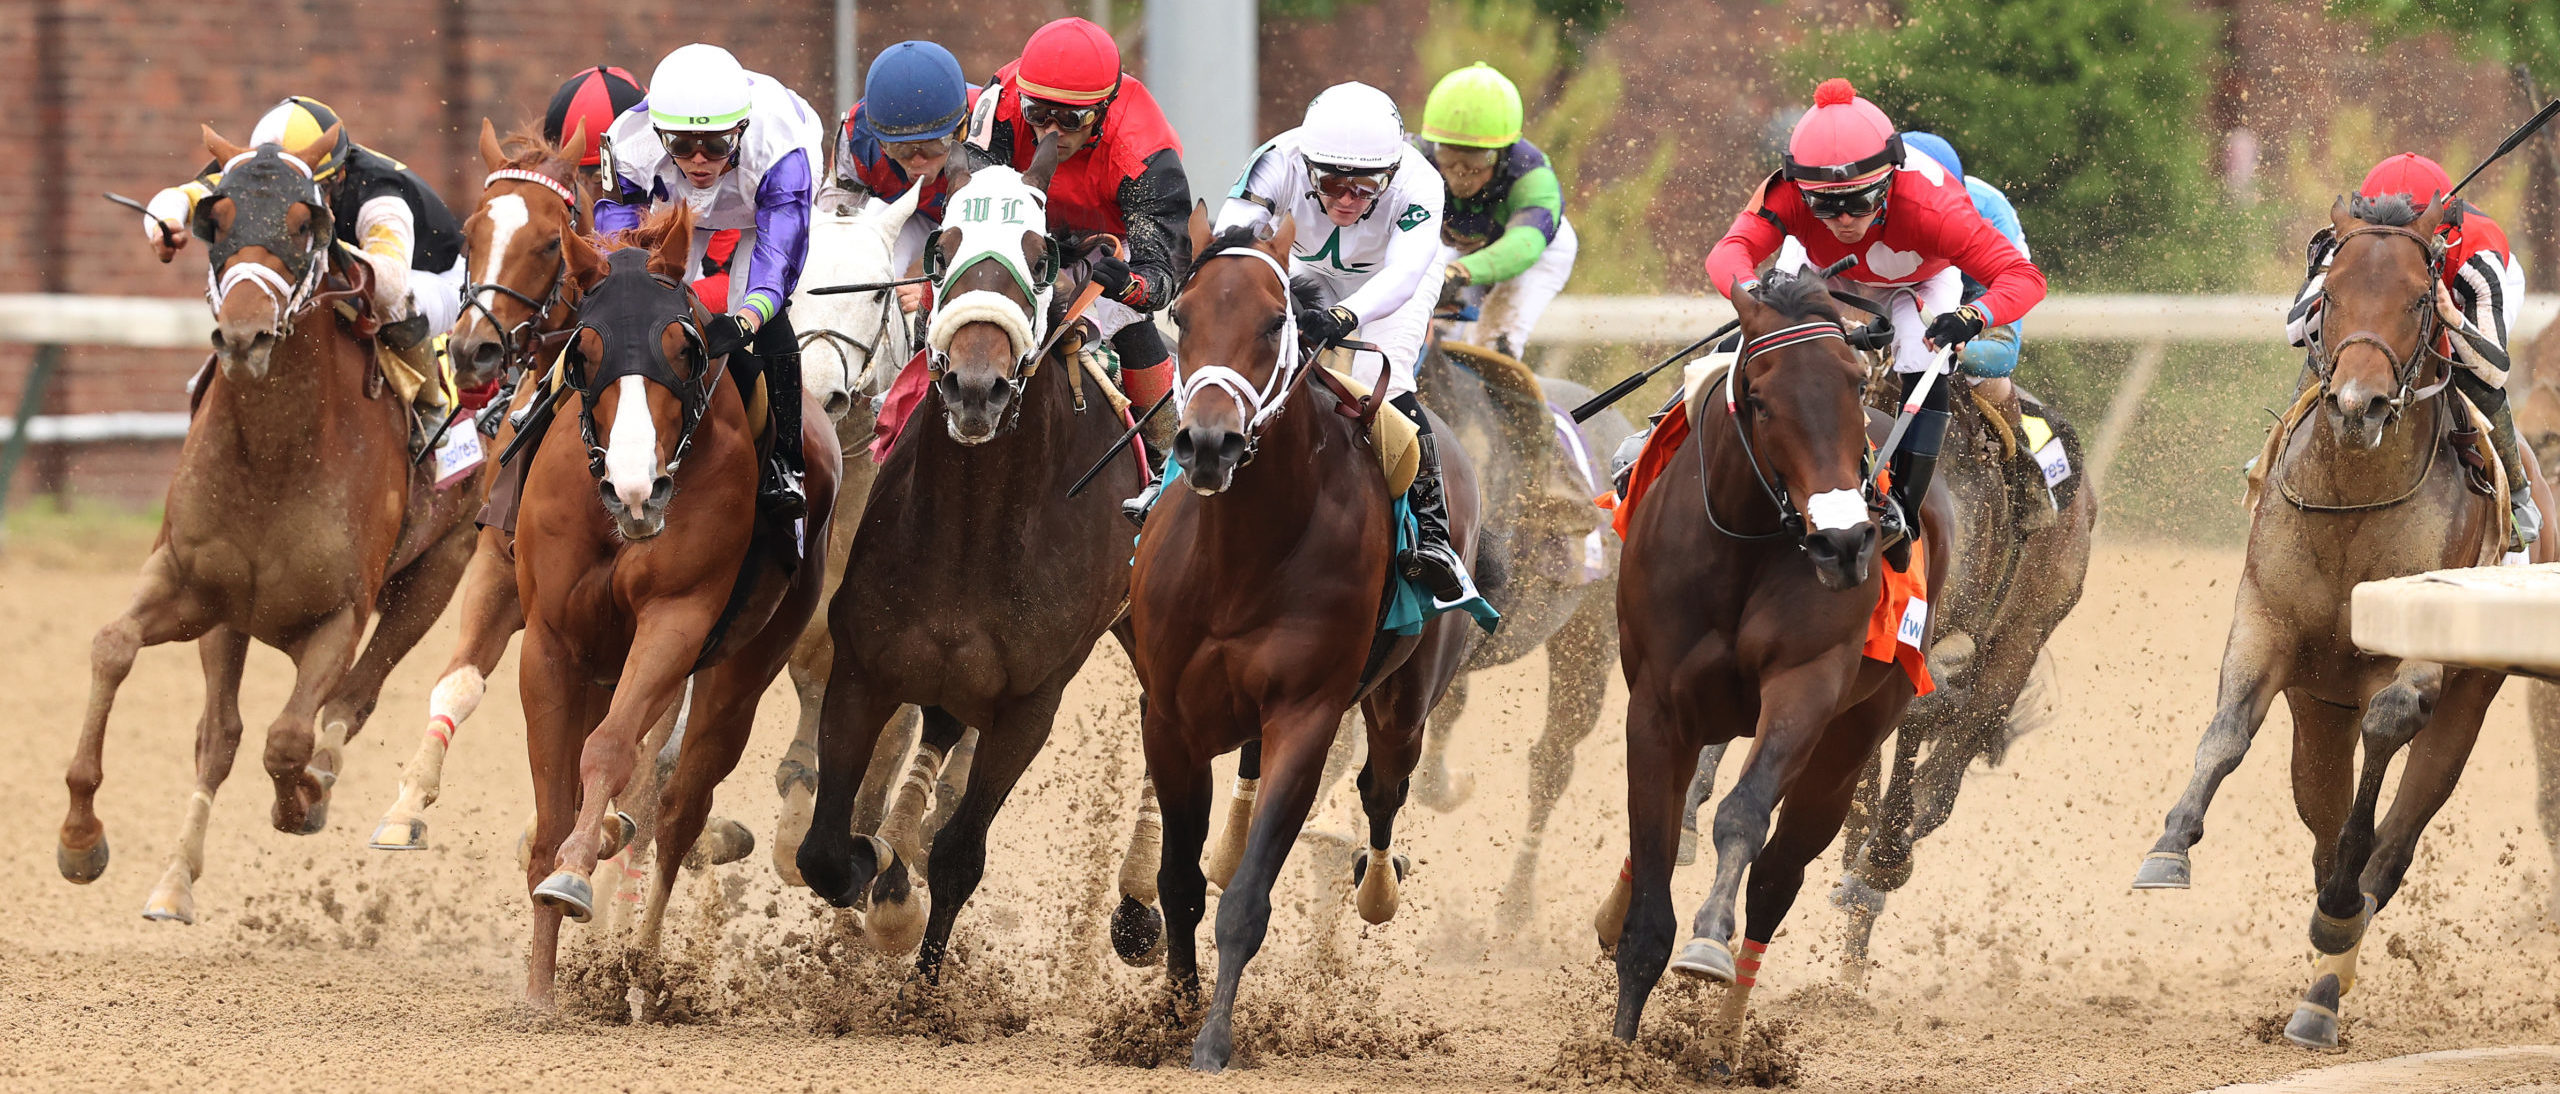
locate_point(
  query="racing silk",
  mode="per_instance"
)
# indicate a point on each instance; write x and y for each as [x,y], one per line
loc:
[1929,224]
[1506,226]
[1127,181]
[765,197]
[383,210]
[863,165]
[1372,266]
[2479,267]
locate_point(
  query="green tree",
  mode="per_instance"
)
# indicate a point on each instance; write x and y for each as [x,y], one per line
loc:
[2088,113]
[2516,32]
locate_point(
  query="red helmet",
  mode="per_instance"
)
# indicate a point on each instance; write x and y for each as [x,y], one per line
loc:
[593,97]
[2408,173]
[1843,139]
[1069,61]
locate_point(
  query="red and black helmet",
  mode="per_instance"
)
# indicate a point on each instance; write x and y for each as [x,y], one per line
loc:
[1842,140]
[1069,61]
[595,97]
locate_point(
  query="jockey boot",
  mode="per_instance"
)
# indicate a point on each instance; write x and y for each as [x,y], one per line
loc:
[1432,560]
[2528,518]
[779,493]
[2030,498]
[1913,468]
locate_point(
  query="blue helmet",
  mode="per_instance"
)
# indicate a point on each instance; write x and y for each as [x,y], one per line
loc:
[1936,147]
[915,92]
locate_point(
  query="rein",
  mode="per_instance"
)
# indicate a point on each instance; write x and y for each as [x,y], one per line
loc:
[845,345]
[2405,373]
[522,343]
[1261,403]
[1791,521]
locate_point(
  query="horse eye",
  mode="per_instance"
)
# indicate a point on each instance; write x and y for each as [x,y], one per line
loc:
[552,247]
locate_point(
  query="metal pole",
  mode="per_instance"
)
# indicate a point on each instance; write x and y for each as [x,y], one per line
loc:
[48,359]
[1207,49]
[848,81]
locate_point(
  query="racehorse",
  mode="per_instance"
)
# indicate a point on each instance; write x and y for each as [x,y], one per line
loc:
[982,587]
[2368,494]
[297,517]
[673,575]
[1254,595]
[1757,632]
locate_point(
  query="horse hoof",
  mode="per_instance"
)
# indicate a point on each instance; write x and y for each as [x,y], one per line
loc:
[798,807]
[1853,894]
[315,818]
[619,831]
[174,899]
[895,921]
[396,835]
[1688,855]
[1215,1045]
[723,841]
[2315,1018]
[2334,936]
[567,893]
[2163,870]
[1137,933]
[1446,791]
[1378,902]
[79,866]
[1705,959]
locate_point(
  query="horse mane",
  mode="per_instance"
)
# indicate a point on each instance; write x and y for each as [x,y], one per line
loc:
[670,217]
[525,150]
[1304,291]
[2388,210]
[1797,295]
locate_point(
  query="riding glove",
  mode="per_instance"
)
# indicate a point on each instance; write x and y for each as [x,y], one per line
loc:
[1956,327]
[724,335]
[1112,273]
[1322,327]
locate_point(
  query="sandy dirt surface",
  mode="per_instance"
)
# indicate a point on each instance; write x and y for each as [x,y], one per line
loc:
[2017,959]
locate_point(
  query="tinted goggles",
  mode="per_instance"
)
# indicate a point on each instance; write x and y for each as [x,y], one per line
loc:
[718,146]
[1856,202]
[1043,114]
[1337,183]
[908,150]
[1459,157]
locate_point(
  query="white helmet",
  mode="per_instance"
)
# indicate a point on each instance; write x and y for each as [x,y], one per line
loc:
[1353,125]
[700,88]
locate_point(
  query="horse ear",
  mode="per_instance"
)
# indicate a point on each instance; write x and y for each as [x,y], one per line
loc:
[2433,218]
[675,248]
[491,155]
[1199,229]
[1282,235]
[1044,162]
[586,263]
[563,163]
[890,218]
[1746,307]
[2339,218]
[223,151]
[328,139]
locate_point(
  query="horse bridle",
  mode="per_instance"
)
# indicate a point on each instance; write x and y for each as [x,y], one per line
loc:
[844,344]
[645,360]
[1791,520]
[520,343]
[1259,403]
[2404,373]
[261,227]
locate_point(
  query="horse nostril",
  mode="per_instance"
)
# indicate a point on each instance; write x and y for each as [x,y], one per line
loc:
[484,357]
[1184,448]
[1231,448]
[838,403]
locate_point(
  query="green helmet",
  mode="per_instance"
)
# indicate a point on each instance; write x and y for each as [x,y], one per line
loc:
[1475,106]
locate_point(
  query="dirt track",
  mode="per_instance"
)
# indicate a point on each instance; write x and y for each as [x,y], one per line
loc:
[2017,960]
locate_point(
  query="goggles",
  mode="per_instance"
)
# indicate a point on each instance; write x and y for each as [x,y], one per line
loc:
[908,150]
[718,146]
[1854,202]
[1458,156]
[1043,114]
[1338,183]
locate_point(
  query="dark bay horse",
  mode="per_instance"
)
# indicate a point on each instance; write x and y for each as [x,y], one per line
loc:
[979,587]
[1750,578]
[2365,489]
[625,599]
[1255,604]
[297,517]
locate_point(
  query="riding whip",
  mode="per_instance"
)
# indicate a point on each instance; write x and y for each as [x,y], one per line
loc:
[169,237]
[1623,388]
[867,286]
[2523,133]
[1114,451]
[1084,299]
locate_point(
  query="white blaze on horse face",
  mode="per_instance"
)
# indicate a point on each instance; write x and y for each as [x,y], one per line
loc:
[1832,510]
[631,450]
[506,214]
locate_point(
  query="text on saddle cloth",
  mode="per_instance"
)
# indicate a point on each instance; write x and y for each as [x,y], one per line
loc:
[992,214]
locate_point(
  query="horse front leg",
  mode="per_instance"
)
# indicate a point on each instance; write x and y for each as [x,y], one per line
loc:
[320,660]
[1578,664]
[1185,787]
[668,636]
[560,704]
[491,614]
[1795,709]
[1294,744]
[958,861]
[223,652]
[1660,755]
[1395,718]
[2254,664]
[156,615]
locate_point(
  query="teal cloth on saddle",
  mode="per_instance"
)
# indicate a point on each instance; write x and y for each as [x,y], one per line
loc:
[1409,605]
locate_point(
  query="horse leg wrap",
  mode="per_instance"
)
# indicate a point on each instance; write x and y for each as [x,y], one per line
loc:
[1611,920]
[1737,997]
[915,796]
[191,837]
[1146,851]
[454,699]
[1229,853]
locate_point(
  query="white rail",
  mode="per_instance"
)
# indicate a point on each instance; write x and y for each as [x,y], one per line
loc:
[2096,317]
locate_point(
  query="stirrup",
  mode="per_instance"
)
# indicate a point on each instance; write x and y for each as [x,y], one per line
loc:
[1433,567]
[1137,508]
[781,496]
[1895,533]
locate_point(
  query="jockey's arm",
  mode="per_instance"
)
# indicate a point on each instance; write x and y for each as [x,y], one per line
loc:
[782,234]
[2302,320]
[622,208]
[2012,284]
[1736,259]
[2489,281]
[1257,197]
[1413,251]
[1537,209]
[389,235]
[1156,205]
[174,208]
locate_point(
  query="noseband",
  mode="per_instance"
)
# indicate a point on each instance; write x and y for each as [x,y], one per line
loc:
[627,310]
[521,343]
[2406,372]
[1791,520]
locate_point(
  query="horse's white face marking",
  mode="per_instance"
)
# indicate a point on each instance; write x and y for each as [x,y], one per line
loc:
[506,214]
[631,450]
[1832,510]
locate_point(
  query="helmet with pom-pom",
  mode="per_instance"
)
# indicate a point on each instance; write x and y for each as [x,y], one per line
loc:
[1843,139]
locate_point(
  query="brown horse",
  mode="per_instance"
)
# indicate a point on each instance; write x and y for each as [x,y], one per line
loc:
[297,517]
[2368,492]
[1743,606]
[1256,608]
[669,577]
[980,587]
[520,246]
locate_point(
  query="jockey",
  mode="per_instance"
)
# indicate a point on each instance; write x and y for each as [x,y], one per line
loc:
[384,213]
[1848,189]
[1505,239]
[2482,284]
[1361,197]
[742,150]
[905,128]
[1119,173]
[589,102]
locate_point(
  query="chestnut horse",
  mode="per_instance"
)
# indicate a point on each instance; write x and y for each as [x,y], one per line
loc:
[1256,604]
[297,517]
[2368,492]
[981,586]
[1743,607]
[625,599]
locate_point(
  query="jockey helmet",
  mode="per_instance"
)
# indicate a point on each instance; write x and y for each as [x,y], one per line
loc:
[1352,128]
[1474,107]
[1844,140]
[914,92]
[308,131]
[1936,147]
[1069,61]
[699,88]
[593,99]
[2422,179]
